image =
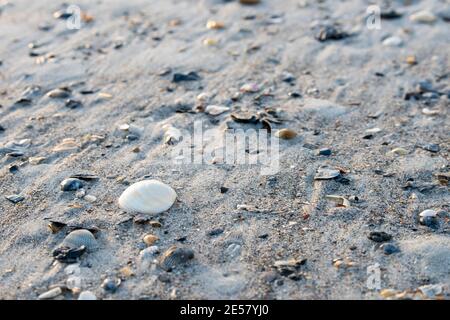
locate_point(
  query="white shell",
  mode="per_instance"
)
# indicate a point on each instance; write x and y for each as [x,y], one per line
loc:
[148,196]
[215,110]
[423,16]
[393,42]
[428,213]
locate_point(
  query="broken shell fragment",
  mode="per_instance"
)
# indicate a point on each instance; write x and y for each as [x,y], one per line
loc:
[286,134]
[326,174]
[147,196]
[53,293]
[216,110]
[171,135]
[80,237]
[340,201]
[250,88]
[175,256]
[59,93]
[398,151]
[150,239]
[56,226]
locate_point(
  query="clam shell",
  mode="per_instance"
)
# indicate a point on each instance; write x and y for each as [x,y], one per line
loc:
[79,238]
[428,213]
[147,196]
[174,257]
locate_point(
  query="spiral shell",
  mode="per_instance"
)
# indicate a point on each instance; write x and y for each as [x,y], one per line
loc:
[174,257]
[147,196]
[79,238]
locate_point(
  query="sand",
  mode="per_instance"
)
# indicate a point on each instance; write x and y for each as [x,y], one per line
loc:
[347,86]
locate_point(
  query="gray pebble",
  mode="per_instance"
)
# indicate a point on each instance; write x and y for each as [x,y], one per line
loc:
[71,184]
[389,248]
[15,198]
[325,152]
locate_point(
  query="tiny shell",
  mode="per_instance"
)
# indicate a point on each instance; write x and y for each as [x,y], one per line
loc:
[250,88]
[150,239]
[80,237]
[340,201]
[393,42]
[326,174]
[216,110]
[53,293]
[174,257]
[211,24]
[423,16]
[399,151]
[428,213]
[147,196]
[286,134]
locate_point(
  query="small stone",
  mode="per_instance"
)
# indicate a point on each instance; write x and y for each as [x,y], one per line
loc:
[111,285]
[331,32]
[294,94]
[432,290]
[215,232]
[180,77]
[80,193]
[430,221]
[126,272]
[150,239]
[71,184]
[87,295]
[326,174]
[15,198]
[286,134]
[398,151]
[132,137]
[136,149]
[211,24]
[389,248]
[411,60]
[325,152]
[423,16]
[431,147]
[223,189]
[393,41]
[73,104]
[250,88]
[379,236]
[216,110]
[13,168]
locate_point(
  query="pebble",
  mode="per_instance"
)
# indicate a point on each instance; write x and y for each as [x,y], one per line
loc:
[429,218]
[149,253]
[150,239]
[250,88]
[398,151]
[423,16]
[15,198]
[90,198]
[286,134]
[36,160]
[87,295]
[389,248]
[13,168]
[111,284]
[73,104]
[215,232]
[379,236]
[71,184]
[212,24]
[147,197]
[53,293]
[181,77]
[393,41]
[431,290]
[331,32]
[224,189]
[432,147]
[325,152]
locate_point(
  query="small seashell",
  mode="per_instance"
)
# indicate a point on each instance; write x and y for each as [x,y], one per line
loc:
[428,213]
[393,42]
[429,112]
[80,237]
[326,174]
[210,42]
[150,239]
[147,196]
[216,110]
[411,60]
[68,144]
[340,201]
[90,198]
[56,226]
[286,134]
[59,93]
[53,293]
[203,97]
[373,130]
[171,135]
[211,24]
[111,284]
[398,151]
[250,88]
[87,295]
[174,257]
[423,16]
[148,253]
